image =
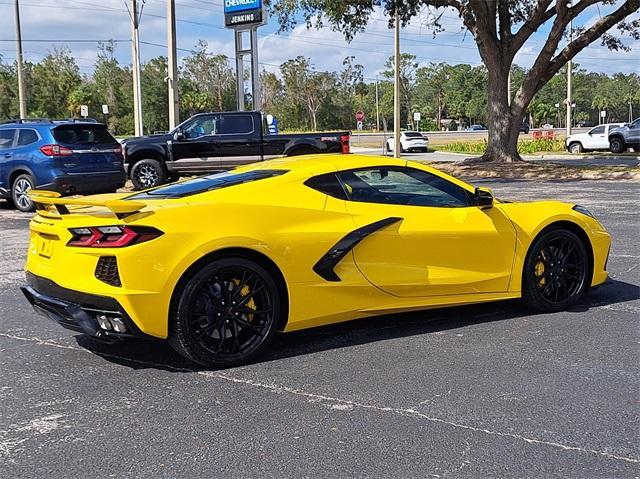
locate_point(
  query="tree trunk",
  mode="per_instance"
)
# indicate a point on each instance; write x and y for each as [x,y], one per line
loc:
[504,121]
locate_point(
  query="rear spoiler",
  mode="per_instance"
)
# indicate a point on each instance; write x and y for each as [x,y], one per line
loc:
[43,199]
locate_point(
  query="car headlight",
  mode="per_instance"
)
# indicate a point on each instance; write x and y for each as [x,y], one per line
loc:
[584,211]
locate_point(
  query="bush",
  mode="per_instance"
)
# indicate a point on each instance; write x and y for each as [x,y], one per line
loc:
[525,147]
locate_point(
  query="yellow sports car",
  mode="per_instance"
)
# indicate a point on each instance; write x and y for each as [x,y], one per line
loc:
[217,264]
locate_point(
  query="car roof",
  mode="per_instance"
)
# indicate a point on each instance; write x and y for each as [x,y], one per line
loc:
[46,123]
[323,163]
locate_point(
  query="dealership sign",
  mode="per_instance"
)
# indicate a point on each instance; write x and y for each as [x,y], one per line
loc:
[244,13]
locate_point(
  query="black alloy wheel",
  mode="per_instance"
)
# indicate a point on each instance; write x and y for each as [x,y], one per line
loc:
[616,145]
[555,272]
[146,174]
[226,313]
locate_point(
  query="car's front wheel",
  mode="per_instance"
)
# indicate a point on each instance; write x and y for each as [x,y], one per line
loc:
[226,313]
[20,192]
[556,271]
[616,145]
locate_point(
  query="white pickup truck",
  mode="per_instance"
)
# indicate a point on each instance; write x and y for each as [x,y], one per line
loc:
[597,138]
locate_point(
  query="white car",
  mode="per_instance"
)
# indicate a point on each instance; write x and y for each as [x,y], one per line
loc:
[597,138]
[410,141]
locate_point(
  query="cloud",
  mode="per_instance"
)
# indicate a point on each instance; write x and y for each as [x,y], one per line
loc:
[57,20]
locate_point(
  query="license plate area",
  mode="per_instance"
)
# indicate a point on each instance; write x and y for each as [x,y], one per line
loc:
[45,244]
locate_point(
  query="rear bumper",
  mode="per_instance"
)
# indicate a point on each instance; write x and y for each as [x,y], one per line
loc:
[87,183]
[77,311]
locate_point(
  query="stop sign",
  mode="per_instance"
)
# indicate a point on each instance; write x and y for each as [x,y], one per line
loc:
[359,116]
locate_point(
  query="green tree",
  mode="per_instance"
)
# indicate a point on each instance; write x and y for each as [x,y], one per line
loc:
[500,30]
[155,94]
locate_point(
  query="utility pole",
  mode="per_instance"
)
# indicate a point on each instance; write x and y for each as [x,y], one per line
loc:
[172,64]
[377,107]
[135,63]
[21,97]
[396,88]
[569,71]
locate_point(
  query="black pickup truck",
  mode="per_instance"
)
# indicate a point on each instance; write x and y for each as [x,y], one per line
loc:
[216,142]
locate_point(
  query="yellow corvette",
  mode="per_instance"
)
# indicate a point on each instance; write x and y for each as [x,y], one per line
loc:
[219,263]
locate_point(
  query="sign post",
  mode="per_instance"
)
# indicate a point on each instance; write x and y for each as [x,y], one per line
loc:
[245,16]
[359,123]
[416,118]
[84,111]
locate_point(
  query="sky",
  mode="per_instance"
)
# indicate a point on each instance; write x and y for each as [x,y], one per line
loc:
[79,24]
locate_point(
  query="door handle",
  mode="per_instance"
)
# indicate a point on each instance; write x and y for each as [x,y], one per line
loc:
[7,155]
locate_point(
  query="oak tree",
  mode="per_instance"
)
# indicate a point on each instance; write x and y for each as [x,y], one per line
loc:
[500,28]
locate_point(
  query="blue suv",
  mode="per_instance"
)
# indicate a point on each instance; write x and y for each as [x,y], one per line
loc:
[70,157]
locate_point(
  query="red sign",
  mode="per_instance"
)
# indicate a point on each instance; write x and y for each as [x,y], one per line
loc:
[359,116]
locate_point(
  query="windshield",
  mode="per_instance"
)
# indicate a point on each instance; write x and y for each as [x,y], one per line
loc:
[413,134]
[205,183]
[83,135]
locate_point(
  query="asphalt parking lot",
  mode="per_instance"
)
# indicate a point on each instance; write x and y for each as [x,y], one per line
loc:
[480,391]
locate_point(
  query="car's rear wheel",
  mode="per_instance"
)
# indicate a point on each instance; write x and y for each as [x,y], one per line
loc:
[20,192]
[147,173]
[575,148]
[555,271]
[226,313]
[616,145]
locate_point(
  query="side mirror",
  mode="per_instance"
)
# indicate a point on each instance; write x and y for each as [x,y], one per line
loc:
[484,197]
[178,135]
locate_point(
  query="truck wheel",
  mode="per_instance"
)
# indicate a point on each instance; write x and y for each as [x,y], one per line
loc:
[147,174]
[575,148]
[616,145]
[19,193]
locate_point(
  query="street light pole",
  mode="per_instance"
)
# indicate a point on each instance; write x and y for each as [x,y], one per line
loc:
[21,96]
[396,88]
[172,64]
[135,64]
[377,107]
[569,72]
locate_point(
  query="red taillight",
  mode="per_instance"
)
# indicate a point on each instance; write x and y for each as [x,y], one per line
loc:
[344,142]
[112,236]
[55,150]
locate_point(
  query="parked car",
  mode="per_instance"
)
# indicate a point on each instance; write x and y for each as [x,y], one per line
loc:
[625,137]
[595,139]
[216,142]
[410,141]
[585,124]
[524,128]
[477,128]
[218,264]
[67,156]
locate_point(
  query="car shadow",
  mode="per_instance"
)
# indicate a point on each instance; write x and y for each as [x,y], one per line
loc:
[159,355]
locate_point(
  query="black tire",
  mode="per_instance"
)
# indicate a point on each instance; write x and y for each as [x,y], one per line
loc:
[556,271]
[616,145]
[19,189]
[388,148]
[211,323]
[576,148]
[147,173]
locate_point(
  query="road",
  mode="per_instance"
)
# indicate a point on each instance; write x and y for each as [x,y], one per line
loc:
[480,391]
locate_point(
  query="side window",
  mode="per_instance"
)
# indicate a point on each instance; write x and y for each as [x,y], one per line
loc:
[636,124]
[598,130]
[402,186]
[26,137]
[235,124]
[6,138]
[201,126]
[327,184]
